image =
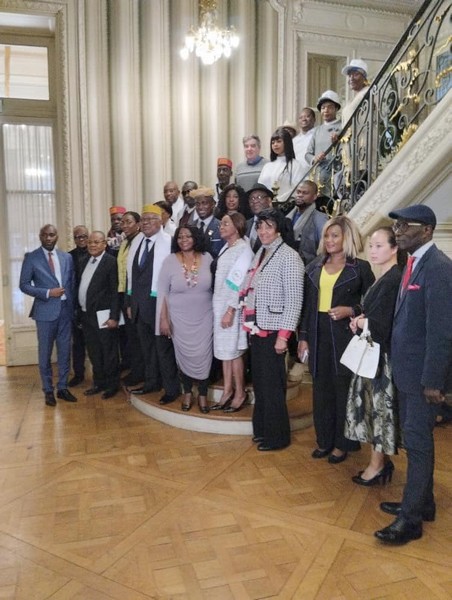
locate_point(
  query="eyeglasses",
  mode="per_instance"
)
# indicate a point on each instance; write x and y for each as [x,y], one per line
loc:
[80,237]
[257,198]
[403,226]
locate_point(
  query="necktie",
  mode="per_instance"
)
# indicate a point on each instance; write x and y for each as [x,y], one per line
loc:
[145,253]
[51,263]
[295,218]
[408,271]
[201,226]
[94,261]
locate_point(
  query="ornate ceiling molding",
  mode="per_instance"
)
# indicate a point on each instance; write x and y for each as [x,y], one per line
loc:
[386,7]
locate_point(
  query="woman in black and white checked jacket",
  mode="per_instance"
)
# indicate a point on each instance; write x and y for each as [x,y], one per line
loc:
[272,302]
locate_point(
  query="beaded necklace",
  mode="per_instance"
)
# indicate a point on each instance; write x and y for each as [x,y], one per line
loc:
[190,273]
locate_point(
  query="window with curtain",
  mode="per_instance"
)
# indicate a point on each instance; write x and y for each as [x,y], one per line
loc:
[30,199]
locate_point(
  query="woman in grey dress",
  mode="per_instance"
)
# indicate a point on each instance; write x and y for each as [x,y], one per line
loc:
[185,309]
[228,337]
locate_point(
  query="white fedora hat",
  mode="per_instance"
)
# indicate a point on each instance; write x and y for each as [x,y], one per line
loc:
[355,65]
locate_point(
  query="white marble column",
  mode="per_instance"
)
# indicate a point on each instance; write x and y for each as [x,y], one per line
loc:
[125,98]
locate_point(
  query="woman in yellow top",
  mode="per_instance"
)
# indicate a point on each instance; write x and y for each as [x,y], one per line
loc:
[335,284]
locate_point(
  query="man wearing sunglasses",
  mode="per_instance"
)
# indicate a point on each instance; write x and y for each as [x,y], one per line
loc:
[421,355]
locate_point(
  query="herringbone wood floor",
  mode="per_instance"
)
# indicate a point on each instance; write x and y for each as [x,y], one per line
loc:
[98,502]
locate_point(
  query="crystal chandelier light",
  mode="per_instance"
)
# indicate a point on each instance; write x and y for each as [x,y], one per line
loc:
[209,42]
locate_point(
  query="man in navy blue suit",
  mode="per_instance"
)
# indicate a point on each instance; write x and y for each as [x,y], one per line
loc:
[210,225]
[48,276]
[421,356]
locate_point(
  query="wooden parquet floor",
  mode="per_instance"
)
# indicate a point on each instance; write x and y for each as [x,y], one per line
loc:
[99,502]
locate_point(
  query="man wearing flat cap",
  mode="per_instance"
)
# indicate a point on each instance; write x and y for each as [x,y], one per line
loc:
[158,352]
[421,356]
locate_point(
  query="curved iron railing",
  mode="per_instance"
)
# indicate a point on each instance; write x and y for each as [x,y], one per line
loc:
[417,74]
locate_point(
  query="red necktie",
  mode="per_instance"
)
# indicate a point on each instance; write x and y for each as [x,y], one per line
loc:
[51,263]
[408,271]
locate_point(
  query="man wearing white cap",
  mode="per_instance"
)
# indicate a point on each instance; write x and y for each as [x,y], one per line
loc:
[324,135]
[356,73]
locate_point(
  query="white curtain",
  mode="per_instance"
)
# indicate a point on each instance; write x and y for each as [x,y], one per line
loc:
[30,199]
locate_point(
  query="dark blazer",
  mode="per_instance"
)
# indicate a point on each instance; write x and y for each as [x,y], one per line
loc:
[140,300]
[36,279]
[102,292]
[287,235]
[80,257]
[213,238]
[351,285]
[421,341]
[379,305]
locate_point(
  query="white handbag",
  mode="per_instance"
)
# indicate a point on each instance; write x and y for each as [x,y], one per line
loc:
[362,354]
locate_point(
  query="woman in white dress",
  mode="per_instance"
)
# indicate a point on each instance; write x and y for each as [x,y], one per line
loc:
[228,337]
[283,173]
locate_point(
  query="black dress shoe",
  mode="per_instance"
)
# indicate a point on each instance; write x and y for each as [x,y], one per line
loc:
[167,398]
[222,406]
[335,460]
[110,393]
[395,508]
[264,447]
[66,395]
[144,390]
[92,391]
[75,381]
[50,399]
[400,532]
[318,453]
[257,439]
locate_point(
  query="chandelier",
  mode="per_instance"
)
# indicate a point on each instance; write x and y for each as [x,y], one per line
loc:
[209,42]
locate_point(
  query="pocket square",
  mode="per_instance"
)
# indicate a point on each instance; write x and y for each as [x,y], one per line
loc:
[415,286]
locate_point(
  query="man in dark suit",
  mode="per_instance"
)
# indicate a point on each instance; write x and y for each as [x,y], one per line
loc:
[210,225]
[260,198]
[48,275]
[79,256]
[158,351]
[98,291]
[421,355]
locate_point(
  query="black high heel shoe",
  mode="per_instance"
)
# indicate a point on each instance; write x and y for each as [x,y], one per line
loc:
[385,474]
[186,406]
[203,407]
[220,406]
[233,409]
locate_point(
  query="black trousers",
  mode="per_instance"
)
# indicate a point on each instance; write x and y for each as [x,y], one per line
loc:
[78,351]
[268,369]
[187,384]
[417,419]
[159,360]
[330,392]
[103,352]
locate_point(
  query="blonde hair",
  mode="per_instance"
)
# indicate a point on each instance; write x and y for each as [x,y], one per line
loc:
[352,243]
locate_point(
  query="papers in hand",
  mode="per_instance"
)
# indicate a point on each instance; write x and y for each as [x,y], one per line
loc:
[104,315]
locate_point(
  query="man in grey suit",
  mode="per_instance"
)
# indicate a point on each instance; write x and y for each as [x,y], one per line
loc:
[421,355]
[48,276]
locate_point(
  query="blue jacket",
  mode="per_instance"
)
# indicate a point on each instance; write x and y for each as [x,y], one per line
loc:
[36,279]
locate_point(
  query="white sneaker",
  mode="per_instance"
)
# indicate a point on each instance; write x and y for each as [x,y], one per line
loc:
[296,372]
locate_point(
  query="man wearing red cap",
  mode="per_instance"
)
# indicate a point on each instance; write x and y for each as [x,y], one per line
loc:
[224,174]
[115,235]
